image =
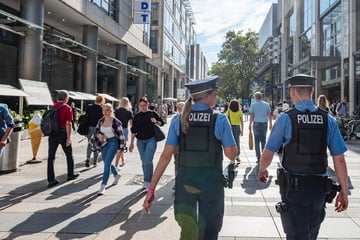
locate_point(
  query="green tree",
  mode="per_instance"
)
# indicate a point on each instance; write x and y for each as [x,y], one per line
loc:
[236,65]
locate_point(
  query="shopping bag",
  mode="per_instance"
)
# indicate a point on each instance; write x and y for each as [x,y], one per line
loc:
[251,141]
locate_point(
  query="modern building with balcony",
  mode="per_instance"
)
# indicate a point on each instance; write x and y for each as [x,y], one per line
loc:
[117,47]
[319,38]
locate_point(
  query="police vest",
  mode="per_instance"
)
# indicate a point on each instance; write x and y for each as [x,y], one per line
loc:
[199,148]
[306,152]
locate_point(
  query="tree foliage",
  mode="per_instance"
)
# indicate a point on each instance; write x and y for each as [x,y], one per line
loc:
[236,64]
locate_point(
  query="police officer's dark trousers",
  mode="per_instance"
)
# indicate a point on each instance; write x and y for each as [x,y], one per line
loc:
[303,212]
[199,205]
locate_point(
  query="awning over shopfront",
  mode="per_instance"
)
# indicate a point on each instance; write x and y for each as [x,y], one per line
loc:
[15,24]
[39,93]
[8,90]
[108,97]
[77,96]
[88,96]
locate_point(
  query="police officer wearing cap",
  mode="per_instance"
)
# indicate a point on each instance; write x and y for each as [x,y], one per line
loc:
[306,132]
[200,136]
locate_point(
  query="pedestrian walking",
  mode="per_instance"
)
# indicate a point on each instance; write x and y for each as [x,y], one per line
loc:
[75,110]
[200,135]
[306,132]
[109,138]
[235,116]
[143,131]
[179,109]
[125,115]
[278,110]
[61,137]
[323,103]
[246,111]
[6,126]
[260,117]
[93,115]
[342,109]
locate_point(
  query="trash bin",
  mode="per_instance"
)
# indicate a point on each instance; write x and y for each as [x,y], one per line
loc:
[9,160]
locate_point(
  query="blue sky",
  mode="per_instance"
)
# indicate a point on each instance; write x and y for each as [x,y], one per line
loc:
[214,18]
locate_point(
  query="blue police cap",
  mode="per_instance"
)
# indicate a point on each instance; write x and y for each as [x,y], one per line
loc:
[202,85]
[300,80]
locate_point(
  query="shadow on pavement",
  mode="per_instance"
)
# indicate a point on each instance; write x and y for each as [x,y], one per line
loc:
[251,182]
[119,214]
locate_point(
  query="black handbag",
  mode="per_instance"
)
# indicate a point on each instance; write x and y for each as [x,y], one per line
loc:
[159,134]
[83,127]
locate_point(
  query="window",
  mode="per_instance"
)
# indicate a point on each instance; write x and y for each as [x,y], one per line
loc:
[154,40]
[155,14]
[331,27]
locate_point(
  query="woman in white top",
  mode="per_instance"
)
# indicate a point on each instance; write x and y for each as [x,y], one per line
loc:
[109,136]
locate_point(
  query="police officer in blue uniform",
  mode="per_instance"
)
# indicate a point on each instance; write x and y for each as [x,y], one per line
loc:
[200,136]
[306,133]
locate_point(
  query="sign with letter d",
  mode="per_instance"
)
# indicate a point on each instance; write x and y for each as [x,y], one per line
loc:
[142,12]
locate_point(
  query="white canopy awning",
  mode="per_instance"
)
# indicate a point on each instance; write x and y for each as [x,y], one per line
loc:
[39,93]
[108,97]
[77,96]
[8,90]
[88,96]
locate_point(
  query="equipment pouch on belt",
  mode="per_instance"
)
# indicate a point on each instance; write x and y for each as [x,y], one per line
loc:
[229,176]
[283,180]
[331,189]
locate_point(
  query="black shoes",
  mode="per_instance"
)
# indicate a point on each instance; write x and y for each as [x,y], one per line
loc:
[75,176]
[56,182]
[87,163]
[53,183]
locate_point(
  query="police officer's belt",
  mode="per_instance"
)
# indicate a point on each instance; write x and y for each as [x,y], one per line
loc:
[308,181]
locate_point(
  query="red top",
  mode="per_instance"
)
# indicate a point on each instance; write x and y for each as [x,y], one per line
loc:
[64,114]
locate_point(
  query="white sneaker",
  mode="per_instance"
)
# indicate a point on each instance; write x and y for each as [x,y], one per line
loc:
[101,190]
[146,185]
[116,180]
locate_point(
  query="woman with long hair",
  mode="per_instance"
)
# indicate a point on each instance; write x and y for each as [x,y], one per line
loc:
[323,103]
[109,138]
[143,130]
[235,116]
[125,115]
[201,136]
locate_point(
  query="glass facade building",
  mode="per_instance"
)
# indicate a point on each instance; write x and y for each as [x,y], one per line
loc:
[319,38]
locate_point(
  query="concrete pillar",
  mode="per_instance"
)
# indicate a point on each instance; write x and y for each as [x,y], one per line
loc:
[160,85]
[121,74]
[141,81]
[352,49]
[90,39]
[30,47]
[78,62]
[170,90]
[284,41]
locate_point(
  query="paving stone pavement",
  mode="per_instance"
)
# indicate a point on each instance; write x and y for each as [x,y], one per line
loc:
[72,210]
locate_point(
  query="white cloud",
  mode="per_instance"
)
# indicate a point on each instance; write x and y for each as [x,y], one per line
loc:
[214,18]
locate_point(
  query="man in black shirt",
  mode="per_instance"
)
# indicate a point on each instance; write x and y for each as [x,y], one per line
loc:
[94,113]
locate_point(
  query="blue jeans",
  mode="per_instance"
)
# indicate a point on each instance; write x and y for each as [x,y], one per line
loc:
[147,149]
[108,153]
[235,129]
[54,140]
[260,130]
[88,150]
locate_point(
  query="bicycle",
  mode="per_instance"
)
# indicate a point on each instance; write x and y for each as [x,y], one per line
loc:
[349,127]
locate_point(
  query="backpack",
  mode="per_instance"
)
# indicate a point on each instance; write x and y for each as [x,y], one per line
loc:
[83,128]
[49,123]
